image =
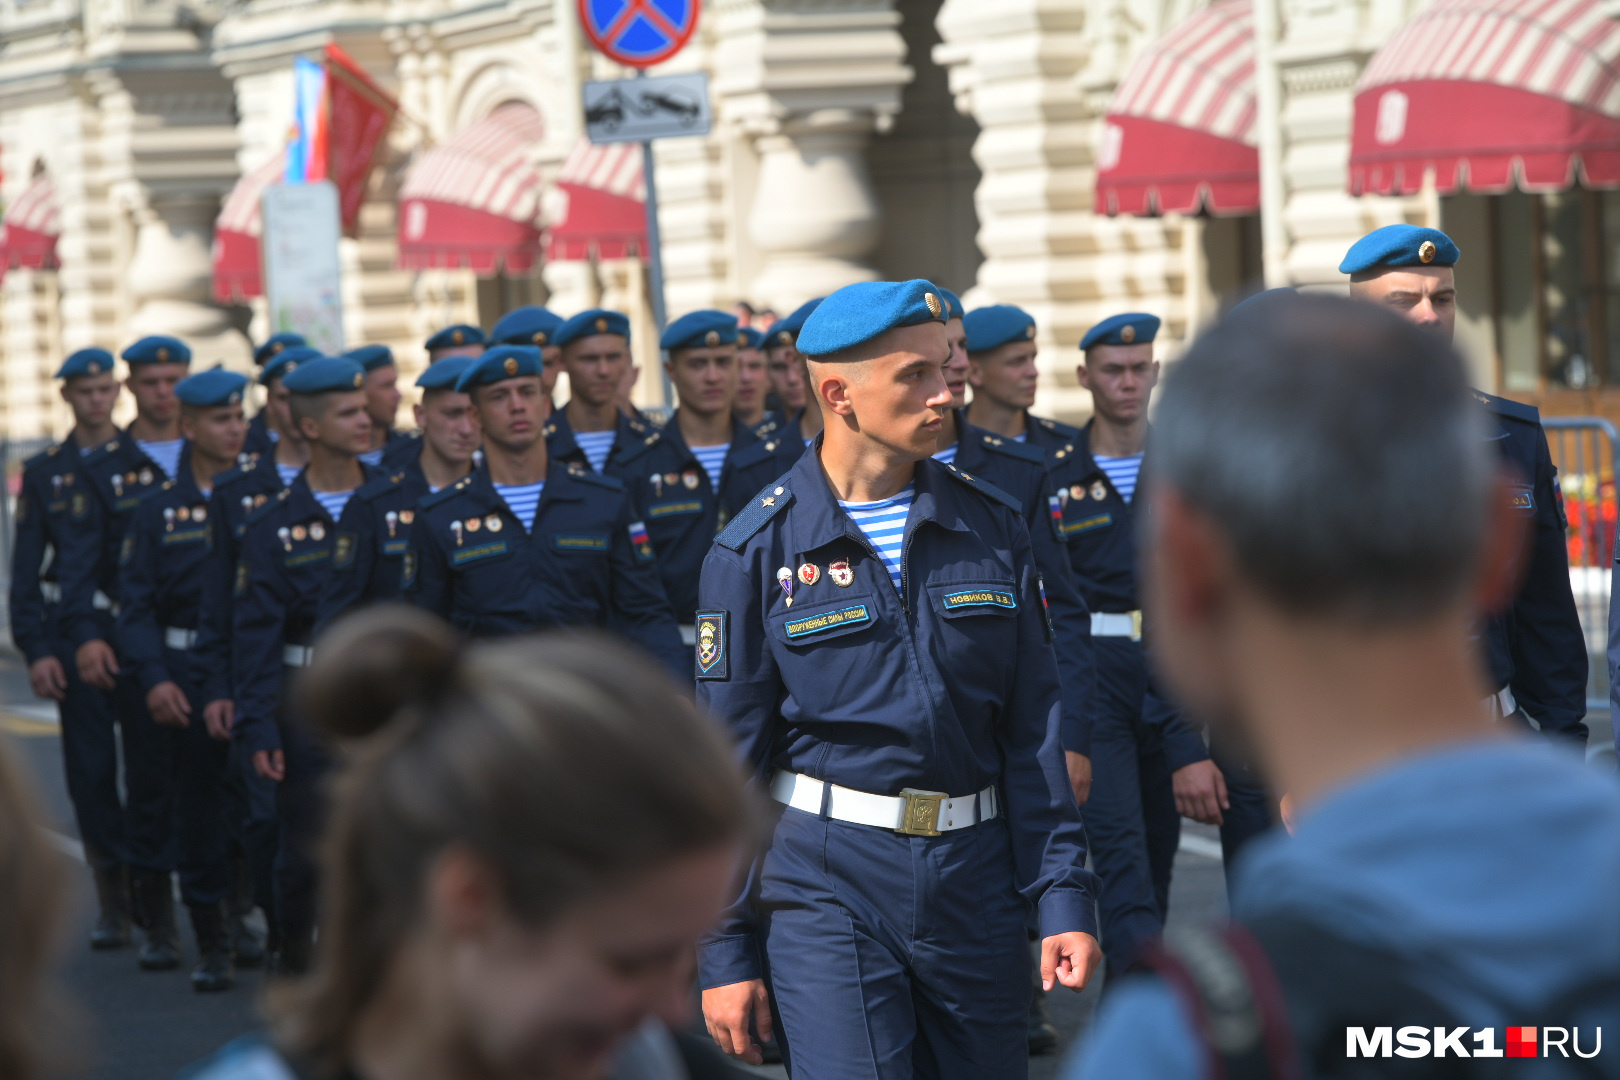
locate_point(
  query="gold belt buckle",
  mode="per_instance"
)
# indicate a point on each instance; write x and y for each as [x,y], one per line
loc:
[1136,625]
[920,816]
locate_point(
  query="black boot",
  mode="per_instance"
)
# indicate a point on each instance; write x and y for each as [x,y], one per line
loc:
[295,949]
[112,894]
[1043,1037]
[245,944]
[154,914]
[214,971]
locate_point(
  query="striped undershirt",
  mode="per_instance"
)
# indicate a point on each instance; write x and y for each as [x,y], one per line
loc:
[713,460]
[288,473]
[1122,473]
[948,454]
[165,455]
[332,502]
[884,525]
[524,500]
[373,457]
[596,446]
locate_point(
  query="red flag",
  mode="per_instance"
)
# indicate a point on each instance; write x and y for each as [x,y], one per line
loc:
[359,117]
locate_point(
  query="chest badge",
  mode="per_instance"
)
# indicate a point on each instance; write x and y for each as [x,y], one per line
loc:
[146,477]
[317,531]
[689,478]
[840,573]
[284,534]
[184,513]
[809,573]
[407,516]
[657,481]
[168,519]
[200,514]
[455,527]
[474,524]
[299,533]
[391,519]
[1098,491]
[493,523]
[784,578]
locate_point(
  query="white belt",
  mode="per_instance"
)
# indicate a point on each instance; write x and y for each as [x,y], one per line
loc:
[177,638]
[1501,704]
[297,655]
[102,602]
[688,634]
[912,812]
[1126,624]
[51,593]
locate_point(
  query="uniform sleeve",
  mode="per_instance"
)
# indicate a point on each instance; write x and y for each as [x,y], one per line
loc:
[1071,625]
[1049,847]
[140,637]
[1141,1030]
[743,691]
[354,559]
[27,598]
[211,657]
[427,571]
[1549,649]
[637,601]
[82,539]
[259,619]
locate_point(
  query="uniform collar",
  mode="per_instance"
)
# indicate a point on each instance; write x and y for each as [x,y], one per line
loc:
[561,483]
[817,519]
[741,435]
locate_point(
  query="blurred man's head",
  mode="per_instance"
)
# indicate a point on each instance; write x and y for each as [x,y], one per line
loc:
[156,366]
[89,387]
[328,405]
[503,386]
[445,415]
[748,402]
[956,368]
[702,365]
[1118,366]
[462,339]
[1001,356]
[596,354]
[211,416]
[382,384]
[1407,269]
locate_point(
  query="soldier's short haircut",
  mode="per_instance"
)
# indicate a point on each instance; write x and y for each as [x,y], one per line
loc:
[313,406]
[1339,450]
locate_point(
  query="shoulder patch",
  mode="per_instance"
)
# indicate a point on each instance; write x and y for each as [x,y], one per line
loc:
[763,429]
[986,488]
[591,476]
[713,645]
[1012,448]
[445,494]
[769,502]
[1513,410]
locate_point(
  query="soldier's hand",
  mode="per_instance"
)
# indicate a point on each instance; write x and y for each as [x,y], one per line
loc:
[1079,775]
[168,705]
[270,764]
[220,716]
[1200,792]
[728,1010]
[47,678]
[1069,959]
[98,664]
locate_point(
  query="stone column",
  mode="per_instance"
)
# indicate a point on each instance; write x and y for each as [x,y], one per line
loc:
[170,276]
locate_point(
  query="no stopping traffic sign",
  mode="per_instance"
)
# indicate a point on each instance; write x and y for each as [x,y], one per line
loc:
[639,33]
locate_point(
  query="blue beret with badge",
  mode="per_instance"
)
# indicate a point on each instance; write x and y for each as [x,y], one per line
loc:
[704,329]
[91,361]
[157,349]
[443,374]
[452,337]
[592,321]
[371,357]
[953,304]
[498,364]
[287,361]
[749,338]
[212,388]
[996,325]
[858,313]
[274,344]
[528,325]
[1400,245]
[324,374]
[1132,328]
[786,331]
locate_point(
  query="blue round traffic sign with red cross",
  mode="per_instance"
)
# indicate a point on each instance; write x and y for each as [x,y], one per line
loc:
[639,33]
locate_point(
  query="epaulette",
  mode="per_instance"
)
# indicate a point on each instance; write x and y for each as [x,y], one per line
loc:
[986,487]
[445,493]
[101,453]
[765,427]
[167,484]
[758,450]
[1513,410]
[637,425]
[372,488]
[1062,431]
[752,518]
[1000,444]
[591,476]
[269,505]
[548,431]
[43,456]
[639,448]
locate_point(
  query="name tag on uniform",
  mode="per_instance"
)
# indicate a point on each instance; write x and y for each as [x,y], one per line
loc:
[674,509]
[308,558]
[396,547]
[185,537]
[580,542]
[822,621]
[1097,521]
[1522,500]
[964,599]
[482,551]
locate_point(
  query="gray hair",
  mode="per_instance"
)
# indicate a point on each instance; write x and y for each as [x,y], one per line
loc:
[1339,450]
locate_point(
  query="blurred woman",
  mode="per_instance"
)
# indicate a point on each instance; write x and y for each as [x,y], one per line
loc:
[525,842]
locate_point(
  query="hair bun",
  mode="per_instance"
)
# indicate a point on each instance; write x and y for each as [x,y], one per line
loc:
[373,665]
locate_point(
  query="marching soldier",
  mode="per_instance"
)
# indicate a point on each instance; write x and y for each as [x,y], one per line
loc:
[457,340]
[160,585]
[595,351]
[753,382]
[1004,379]
[872,631]
[262,432]
[382,404]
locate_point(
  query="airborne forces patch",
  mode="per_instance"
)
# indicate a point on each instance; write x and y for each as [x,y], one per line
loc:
[713,645]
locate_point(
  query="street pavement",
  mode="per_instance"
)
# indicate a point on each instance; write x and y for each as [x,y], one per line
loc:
[150,1026]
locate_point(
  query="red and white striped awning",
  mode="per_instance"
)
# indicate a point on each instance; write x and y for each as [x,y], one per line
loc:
[474,200]
[1488,93]
[597,207]
[237,232]
[1179,134]
[30,227]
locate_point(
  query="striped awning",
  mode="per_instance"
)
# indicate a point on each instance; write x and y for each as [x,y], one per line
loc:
[474,200]
[1179,134]
[1489,94]
[30,227]
[237,231]
[598,206]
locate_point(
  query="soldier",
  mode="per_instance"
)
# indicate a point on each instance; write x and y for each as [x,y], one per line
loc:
[55,492]
[748,403]
[160,585]
[457,340]
[1536,649]
[872,631]
[801,412]
[528,541]
[262,431]
[537,326]
[374,531]
[282,572]
[382,404]
[121,474]
[1004,380]
[595,351]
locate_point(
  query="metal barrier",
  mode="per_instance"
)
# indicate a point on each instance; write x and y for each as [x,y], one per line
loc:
[1586,450]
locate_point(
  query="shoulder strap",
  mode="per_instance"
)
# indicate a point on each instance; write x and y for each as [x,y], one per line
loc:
[766,504]
[984,487]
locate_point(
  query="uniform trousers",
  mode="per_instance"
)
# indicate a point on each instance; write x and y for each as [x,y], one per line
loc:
[1252,809]
[200,764]
[891,957]
[300,806]
[250,814]
[90,762]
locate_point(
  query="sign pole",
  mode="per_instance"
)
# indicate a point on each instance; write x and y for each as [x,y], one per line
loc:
[655,249]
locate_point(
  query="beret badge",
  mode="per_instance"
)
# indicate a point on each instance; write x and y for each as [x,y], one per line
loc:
[459,337]
[540,337]
[94,367]
[1029,332]
[933,304]
[163,354]
[1127,334]
[1426,252]
[359,380]
[601,326]
[510,366]
[712,338]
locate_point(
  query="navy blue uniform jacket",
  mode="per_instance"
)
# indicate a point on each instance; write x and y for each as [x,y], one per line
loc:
[160,572]
[54,492]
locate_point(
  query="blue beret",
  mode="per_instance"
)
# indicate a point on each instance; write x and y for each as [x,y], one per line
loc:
[371,357]
[274,344]
[158,350]
[749,338]
[700,329]
[860,312]
[325,373]
[454,336]
[499,364]
[210,388]
[1133,328]
[529,325]
[287,361]
[592,321]
[988,327]
[786,331]
[953,304]
[442,374]
[1261,300]
[91,361]
[1400,245]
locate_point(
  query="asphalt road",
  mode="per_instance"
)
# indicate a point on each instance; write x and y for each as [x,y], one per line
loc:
[150,1026]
